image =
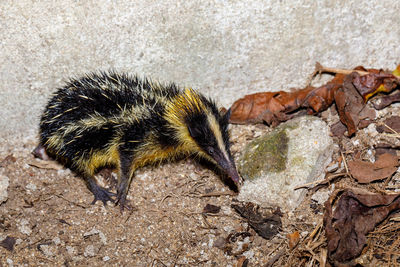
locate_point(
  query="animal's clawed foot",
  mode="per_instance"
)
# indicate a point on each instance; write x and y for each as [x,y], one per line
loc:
[123,203]
[102,194]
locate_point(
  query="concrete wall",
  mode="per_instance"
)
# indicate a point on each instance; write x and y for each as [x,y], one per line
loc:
[224,48]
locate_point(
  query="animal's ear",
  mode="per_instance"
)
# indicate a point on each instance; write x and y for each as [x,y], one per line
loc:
[226,116]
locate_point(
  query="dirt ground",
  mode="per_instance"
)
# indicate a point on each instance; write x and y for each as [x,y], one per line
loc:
[48,213]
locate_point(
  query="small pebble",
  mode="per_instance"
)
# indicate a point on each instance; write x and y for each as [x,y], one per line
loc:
[70,250]
[47,250]
[89,251]
[23,227]
[31,187]
[56,240]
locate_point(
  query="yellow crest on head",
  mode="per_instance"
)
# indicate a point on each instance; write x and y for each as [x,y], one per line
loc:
[185,103]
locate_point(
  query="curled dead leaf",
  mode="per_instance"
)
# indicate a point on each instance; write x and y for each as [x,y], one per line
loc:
[266,225]
[385,101]
[356,213]
[349,89]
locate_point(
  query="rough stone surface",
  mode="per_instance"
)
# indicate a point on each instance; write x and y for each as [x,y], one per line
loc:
[4,183]
[226,49]
[293,154]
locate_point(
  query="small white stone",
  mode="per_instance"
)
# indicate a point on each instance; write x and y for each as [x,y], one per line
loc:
[210,243]
[94,231]
[321,196]
[56,240]
[106,258]
[226,210]
[70,250]
[4,183]
[89,251]
[356,142]
[23,227]
[228,229]
[10,262]
[248,254]
[31,187]
[47,250]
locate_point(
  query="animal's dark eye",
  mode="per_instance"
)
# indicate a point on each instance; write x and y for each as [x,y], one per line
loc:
[194,132]
[210,150]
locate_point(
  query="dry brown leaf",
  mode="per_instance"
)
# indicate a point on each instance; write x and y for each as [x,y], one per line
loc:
[391,125]
[373,83]
[356,213]
[8,243]
[266,225]
[351,106]
[366,172]
[350,89]
[275,107]
[242,262]
[209,208]
[385,101]
[294,239]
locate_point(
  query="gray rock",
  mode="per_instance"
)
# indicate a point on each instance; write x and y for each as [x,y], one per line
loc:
[4,183]
[295,153]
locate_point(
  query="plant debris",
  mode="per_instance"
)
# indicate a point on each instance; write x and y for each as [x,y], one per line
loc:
[366,172]
[357,212]
[8,243]
[7,160]
[266,225]
[385,101]
[293,239]
[209,208]
[390,125]
[242,262]
[349,89]
[46,164]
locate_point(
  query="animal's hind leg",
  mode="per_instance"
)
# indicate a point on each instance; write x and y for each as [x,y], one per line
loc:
[100,193]
[124,181]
